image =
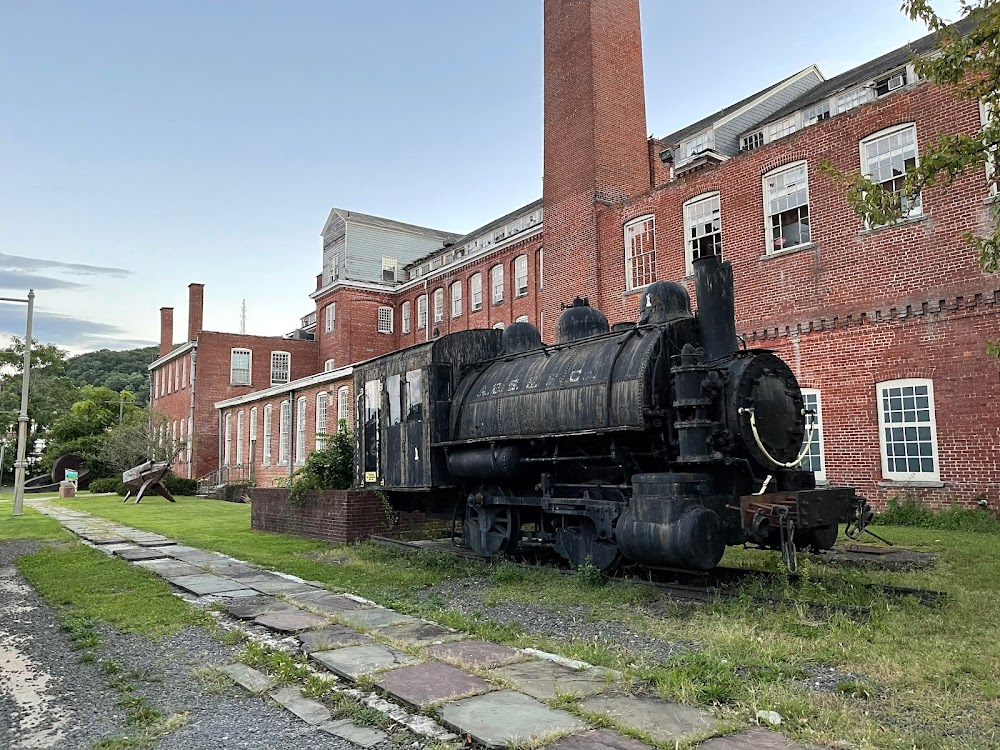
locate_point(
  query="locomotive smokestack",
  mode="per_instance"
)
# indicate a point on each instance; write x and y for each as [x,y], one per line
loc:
[713,281]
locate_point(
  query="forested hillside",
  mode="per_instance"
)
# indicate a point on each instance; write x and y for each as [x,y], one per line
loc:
[125,370]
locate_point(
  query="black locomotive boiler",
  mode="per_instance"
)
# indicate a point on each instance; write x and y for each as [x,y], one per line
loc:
[658,442]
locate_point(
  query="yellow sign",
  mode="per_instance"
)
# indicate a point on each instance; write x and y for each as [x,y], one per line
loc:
[370,476]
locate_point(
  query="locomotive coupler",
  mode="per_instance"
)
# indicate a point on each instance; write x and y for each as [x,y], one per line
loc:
[786,530]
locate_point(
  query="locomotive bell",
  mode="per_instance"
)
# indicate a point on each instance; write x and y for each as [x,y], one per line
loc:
[581,321]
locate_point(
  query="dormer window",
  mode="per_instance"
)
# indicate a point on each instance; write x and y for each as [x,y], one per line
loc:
[889,83]
[388,268]
[816,113]
[752,141]
[694,146]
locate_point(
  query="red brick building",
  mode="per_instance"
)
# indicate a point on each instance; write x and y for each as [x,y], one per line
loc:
[884,326]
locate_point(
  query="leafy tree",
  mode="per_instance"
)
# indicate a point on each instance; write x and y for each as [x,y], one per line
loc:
[329,468]
[970,66]
[130,443]
[82,429]
[117,370]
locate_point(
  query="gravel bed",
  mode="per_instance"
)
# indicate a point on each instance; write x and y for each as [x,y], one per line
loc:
[564,623]
[48,697]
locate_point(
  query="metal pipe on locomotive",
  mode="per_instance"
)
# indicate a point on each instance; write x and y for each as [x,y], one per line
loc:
[659,442]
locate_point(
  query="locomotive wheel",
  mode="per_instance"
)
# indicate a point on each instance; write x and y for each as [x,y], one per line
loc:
[580,545]
[489,530]
[824,537]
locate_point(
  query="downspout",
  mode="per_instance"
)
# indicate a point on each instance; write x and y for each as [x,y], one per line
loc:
[191,385]
[427,313]
[292,408]
[218,473]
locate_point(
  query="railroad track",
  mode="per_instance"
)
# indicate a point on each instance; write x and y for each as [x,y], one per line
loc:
[703,586]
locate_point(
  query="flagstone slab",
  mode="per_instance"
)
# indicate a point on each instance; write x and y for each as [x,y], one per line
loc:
[247,677]
[102,539]
[476,653]
[310,711]
[169,568]
[662,720]
[206,583]
[291,621]
[348,730]
[375,617]
[237,594]
[546,680]
[134,554]
[497,719]
[325,601]
[273,585]
[256,609]
[755,738]
[331,637]
[421,633]
[353,662]
[424,685]
[600,739]
[162,542]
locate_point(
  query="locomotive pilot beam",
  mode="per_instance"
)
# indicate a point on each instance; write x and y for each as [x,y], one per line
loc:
[659,442]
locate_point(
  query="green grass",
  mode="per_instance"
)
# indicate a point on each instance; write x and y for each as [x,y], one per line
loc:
[919,677]
[32,525]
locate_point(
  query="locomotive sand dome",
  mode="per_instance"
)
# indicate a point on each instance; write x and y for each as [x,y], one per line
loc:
[659,442]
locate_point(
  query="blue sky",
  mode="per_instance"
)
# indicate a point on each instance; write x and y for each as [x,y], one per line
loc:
[147,145]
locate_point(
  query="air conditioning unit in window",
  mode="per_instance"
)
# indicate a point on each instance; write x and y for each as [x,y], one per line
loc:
[896,82]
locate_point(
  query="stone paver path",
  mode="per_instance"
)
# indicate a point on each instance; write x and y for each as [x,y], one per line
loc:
[441,672]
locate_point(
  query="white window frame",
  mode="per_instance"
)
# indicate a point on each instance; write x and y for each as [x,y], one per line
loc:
[456,299]
[769,239]
[688,209]
[541,268]
[322,402]
[817,434]
[438,305]
[818,112]
[499,325]
[404,316]
[845,101]
[496,284]
[697,144]
[343,405]
[184,372]
[276,358]
[233,353]
[192,369]
[265,454]
[385,317]
[640,261]
[240,424]
[752,141]
[329,365]
[882,392]
[227,452]
[330,317]
[985,117]
[476,292]
[781,128]
[918,208]
[156,383]
[521,319]
[421,312]
[300,430]
[177,376]
[389,269]
[521,276]
[284,423]
[169,372]
[190,438]
[252,434]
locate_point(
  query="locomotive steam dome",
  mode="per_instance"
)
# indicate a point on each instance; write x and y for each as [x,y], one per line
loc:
[664,301]
[580,321]
[520,337]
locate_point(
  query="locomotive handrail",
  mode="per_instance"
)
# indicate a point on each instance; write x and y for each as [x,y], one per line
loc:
[756,436]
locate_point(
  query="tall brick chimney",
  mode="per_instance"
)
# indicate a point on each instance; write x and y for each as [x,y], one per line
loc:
[196,309]
[166,330]
[595,135]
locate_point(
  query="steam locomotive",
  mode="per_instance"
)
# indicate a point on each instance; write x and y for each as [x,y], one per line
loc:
[658,442]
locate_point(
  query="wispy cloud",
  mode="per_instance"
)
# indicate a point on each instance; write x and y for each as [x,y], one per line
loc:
[21,281]
[77,334]
[22,264]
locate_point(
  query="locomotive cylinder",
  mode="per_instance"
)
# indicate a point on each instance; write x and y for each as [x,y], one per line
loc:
[486,463]
[666,524]
[713,281]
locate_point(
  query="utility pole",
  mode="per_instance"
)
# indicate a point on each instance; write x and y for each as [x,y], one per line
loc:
[22,420]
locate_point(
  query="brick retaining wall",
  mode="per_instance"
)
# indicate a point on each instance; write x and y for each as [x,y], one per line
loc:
[338,516]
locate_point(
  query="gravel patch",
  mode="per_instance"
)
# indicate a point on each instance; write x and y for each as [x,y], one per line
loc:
[48,697]
[564,623]
[826,679]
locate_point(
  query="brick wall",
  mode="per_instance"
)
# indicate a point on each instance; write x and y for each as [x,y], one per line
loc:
[338,516]
[355,337]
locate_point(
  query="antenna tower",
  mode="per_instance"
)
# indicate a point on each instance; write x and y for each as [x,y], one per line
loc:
[243,317]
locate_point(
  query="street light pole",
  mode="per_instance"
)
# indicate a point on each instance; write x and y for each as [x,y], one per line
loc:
[22,420]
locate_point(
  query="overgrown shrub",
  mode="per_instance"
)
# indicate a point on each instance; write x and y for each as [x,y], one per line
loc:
[104,485]
[912,512]
[179,486]
[330,468]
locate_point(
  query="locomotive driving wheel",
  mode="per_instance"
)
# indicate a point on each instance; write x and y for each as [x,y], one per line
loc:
[489,529]
[583,544]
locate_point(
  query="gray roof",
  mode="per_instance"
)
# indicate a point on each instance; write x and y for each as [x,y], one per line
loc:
[461,240]
[706,122]
[865,72]
[356,217]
